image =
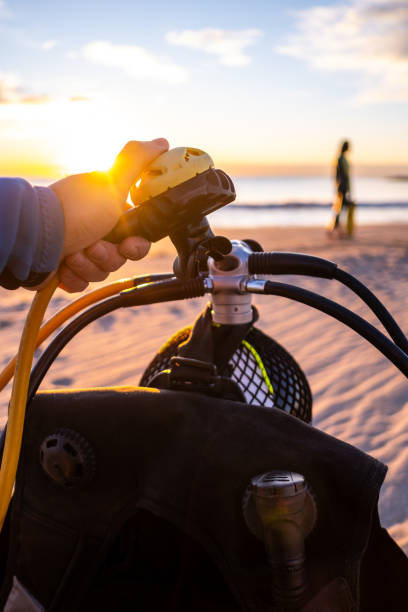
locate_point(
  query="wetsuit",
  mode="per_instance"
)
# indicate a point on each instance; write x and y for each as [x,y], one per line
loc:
[31,233]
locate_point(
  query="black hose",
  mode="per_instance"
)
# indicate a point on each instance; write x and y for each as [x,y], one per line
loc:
[153,293]
[375,305]
[137,280]
[344,315]
[167,288]
[151,278]
[309,265]
[53,350]
[291,263]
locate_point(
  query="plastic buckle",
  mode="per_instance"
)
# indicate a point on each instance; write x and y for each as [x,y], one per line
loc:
[199,376]
[192,372]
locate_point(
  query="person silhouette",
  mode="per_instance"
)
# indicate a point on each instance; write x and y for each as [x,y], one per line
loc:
[343,201]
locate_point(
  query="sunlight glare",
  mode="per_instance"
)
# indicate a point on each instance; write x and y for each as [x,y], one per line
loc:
[91,138]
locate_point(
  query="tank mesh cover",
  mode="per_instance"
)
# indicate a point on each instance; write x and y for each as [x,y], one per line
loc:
[266,373]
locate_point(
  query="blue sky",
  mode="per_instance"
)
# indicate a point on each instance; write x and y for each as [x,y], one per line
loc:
[258,85]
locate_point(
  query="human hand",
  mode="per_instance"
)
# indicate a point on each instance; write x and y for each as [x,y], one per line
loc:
[95,263]
[92,204]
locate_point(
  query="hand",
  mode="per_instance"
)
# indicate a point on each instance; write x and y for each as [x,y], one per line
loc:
[97,261]
[92,204]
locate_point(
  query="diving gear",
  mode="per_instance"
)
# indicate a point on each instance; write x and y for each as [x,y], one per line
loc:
[280,511]
[178,189]
[162,515]
[136,476]
[67,458]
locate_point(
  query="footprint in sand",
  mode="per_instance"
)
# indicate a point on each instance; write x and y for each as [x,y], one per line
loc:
[4,323]
[106,322]
[175,310]
[63,381]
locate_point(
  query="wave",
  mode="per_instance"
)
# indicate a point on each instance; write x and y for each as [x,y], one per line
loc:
[308,205]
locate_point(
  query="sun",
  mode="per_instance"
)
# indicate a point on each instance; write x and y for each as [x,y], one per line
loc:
[87,157]
[90,139]
[66,136]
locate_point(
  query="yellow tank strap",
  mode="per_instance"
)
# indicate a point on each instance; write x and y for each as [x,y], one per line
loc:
[172,338]
[260,364]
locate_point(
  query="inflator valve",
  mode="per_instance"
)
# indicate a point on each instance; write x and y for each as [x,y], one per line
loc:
[280,510]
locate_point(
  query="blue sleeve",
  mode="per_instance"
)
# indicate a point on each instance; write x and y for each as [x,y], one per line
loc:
[31,232]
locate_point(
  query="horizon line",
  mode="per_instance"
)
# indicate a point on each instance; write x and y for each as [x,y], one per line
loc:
[43,171]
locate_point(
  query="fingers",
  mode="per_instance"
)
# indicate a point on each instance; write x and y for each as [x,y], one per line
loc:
[77,271]
[134,247]
[132,159]
[97,261]
[80,264]
[105,255]
[70,281]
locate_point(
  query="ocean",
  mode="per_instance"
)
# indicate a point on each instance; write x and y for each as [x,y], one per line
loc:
[287,201]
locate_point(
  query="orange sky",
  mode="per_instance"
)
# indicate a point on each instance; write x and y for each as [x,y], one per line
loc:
[265,89]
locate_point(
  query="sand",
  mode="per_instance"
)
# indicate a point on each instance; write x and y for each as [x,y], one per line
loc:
[358,395]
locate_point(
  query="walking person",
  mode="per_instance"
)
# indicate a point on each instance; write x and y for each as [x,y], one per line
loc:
[343,202]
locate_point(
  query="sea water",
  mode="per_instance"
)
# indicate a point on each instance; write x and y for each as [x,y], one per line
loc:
[296,200]
[301,201]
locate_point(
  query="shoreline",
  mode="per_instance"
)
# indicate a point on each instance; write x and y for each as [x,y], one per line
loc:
[318,205]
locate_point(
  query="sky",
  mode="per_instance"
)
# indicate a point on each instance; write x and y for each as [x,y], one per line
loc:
[265,87]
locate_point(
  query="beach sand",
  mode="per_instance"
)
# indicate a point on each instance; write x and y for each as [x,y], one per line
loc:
[358,395]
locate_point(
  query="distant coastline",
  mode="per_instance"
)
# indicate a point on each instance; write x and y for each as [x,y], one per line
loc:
[317,205]
[397,177]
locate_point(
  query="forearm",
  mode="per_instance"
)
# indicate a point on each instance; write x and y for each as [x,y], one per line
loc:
[31,233]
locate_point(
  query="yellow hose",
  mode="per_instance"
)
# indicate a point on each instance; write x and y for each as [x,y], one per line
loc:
[18,399]
[68,311]
[33,335]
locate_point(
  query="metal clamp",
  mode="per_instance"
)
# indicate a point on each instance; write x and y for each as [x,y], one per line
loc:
[232,304]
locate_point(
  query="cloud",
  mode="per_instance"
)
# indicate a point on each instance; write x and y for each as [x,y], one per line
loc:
[8,88]
[47,45]
[228,45]
[136,62]
[366,37]
[34,99]
[4,11]
[79,99]
[12,93]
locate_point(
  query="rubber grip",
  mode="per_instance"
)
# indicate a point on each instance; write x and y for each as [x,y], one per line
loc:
[291,263]
[128,225]
[173,210]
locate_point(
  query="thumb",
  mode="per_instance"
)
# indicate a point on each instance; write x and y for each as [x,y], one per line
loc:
[132,160]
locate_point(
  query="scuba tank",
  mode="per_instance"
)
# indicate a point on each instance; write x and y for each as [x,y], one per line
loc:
[207,488]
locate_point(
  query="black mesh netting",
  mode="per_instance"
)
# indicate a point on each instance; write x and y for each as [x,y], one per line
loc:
[282,384]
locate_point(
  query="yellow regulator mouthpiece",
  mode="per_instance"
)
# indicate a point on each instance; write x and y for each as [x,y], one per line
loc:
[169,170]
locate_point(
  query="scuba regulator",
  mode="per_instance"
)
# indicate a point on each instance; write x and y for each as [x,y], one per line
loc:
[172,198]
[178,189]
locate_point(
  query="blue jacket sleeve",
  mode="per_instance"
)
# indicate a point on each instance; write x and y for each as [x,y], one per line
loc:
[31,233]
